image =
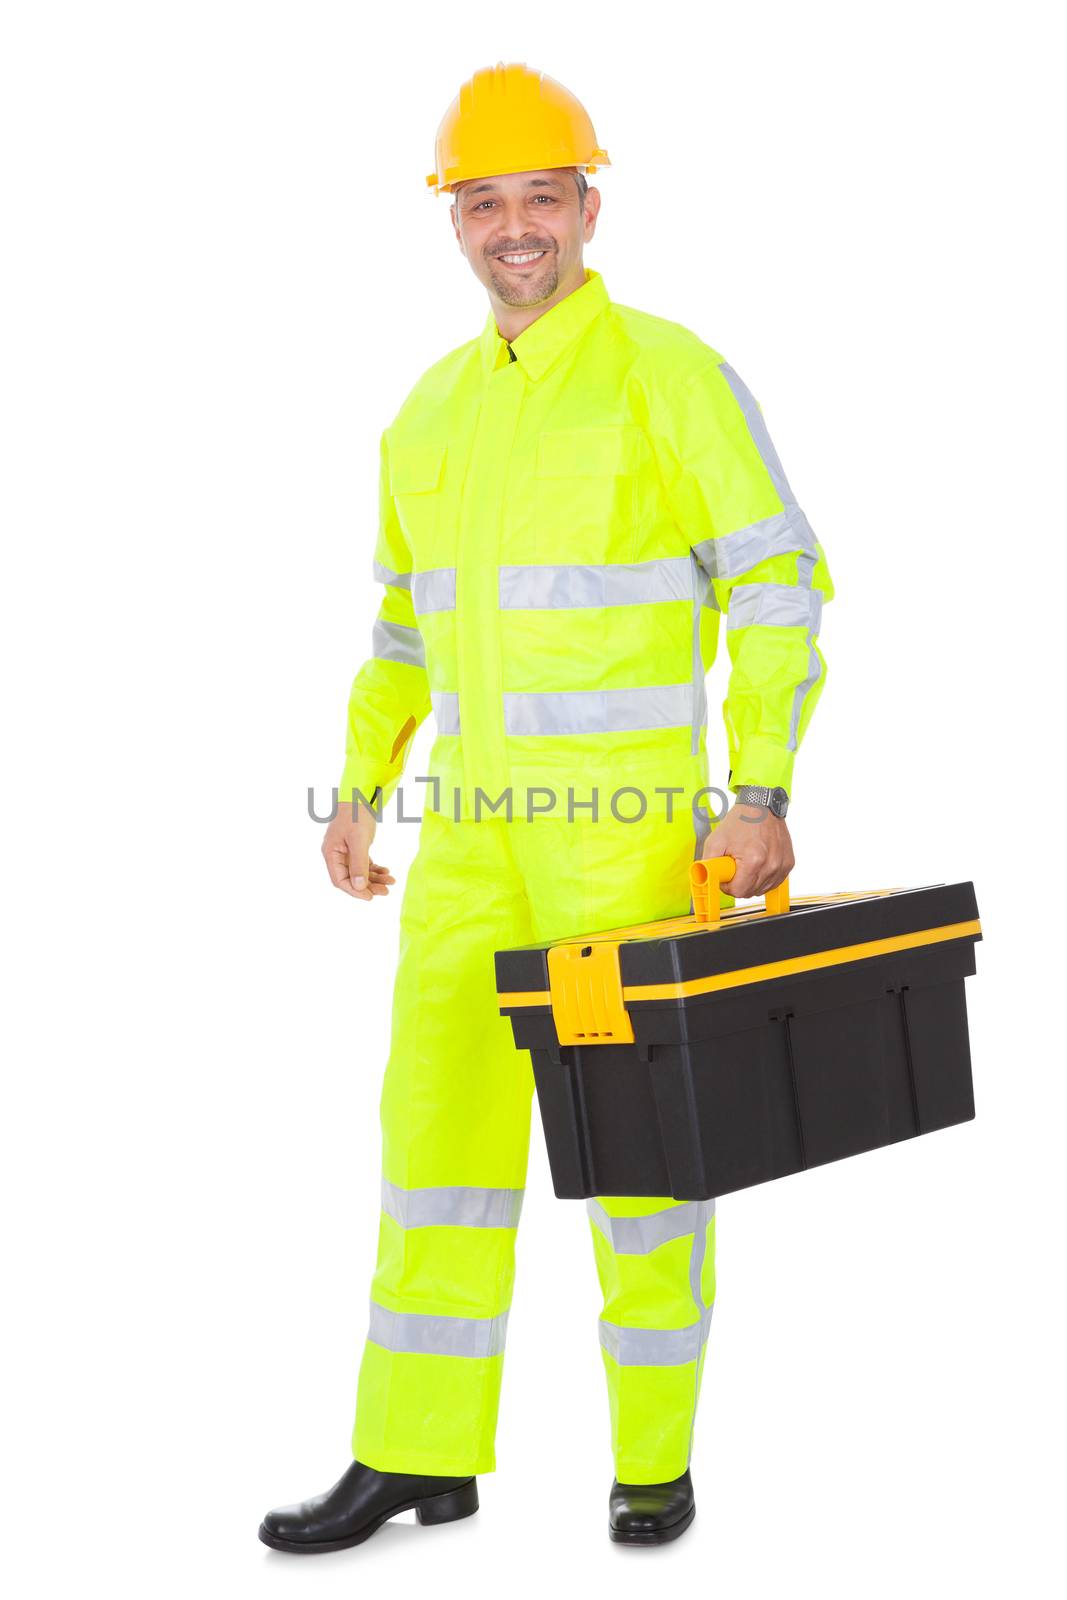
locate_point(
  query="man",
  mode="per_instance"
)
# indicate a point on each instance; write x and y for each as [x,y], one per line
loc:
[569,502]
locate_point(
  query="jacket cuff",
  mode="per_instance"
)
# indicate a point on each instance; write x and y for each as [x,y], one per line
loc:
[364,777]
[762,762]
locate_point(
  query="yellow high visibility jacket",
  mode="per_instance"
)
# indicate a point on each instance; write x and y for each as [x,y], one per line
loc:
[563,523]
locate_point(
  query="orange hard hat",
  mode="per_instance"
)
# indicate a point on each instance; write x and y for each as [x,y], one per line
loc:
[512,119]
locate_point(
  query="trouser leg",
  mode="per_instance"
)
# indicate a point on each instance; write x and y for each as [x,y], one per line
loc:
[455,1112]
[656,1263]
[655,1257]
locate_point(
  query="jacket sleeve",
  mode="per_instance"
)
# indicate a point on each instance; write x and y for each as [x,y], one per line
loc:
[390,695]
[759,558]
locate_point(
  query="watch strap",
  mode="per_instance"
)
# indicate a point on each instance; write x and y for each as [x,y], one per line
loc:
[774,800]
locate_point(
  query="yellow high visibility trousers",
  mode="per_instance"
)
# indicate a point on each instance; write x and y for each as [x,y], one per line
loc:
[455,1113]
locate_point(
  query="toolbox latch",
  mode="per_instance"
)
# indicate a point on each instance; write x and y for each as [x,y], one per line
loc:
[586,989]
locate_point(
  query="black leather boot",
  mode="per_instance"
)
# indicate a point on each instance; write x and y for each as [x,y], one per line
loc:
[650,1513]
[359,1503]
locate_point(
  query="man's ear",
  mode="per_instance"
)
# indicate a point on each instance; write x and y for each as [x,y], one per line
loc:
[455,225]
[591,212]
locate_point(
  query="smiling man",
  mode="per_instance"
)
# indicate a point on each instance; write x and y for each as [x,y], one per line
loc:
[570,506]
[524,283]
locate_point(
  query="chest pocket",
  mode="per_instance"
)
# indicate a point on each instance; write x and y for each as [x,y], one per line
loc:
[416,483]
[586,486]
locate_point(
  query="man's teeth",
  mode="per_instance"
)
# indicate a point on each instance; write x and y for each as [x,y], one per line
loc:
[518,261]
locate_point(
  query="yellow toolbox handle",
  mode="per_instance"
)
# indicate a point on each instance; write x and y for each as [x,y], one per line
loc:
[706,878]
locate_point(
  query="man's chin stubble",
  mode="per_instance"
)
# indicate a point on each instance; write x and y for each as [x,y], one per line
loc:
[525,294]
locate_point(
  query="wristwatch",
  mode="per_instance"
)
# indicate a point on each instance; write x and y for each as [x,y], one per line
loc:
[776,800]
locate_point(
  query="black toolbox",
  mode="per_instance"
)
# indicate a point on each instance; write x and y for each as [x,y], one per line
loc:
[696,1056]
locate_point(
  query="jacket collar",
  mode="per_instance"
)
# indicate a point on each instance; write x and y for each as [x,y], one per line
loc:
[537,346]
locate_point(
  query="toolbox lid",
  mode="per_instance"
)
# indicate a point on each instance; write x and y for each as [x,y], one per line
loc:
[683,959]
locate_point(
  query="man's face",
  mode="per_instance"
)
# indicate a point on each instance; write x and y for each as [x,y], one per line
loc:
[523,233]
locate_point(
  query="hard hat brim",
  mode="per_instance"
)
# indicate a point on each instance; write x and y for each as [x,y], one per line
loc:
[448,185]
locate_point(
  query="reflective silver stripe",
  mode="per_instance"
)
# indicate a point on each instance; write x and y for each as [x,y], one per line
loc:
[434,590]
[701,829]
[814,674]
[446,711]
[452,1207]
[805,567]
[548,588]
[706,1210]
[415,1333]
[637,1236]
[660,1347]
[701,588]
[758,429]
[780,535]
[669,705]
[655,1347]
[806,545]
[399,580]
[780,605]
[392,641]
[744,552]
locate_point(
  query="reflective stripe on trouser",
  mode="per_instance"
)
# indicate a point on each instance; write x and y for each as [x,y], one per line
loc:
[455,1110]
[656,1264]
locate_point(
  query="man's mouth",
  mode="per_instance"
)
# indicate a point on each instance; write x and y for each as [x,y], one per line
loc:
[521,258]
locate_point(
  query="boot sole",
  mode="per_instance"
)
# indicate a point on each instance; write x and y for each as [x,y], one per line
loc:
[438,1508]
[656,1535]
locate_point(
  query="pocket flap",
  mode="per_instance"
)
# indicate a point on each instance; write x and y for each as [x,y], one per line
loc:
[415,468]
[588,452]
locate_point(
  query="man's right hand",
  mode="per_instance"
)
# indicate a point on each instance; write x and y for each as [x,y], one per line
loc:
[346,849]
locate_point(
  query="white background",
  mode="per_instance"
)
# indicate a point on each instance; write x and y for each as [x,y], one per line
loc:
[223,273]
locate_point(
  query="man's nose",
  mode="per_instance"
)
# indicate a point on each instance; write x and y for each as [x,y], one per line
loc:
[514,221]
